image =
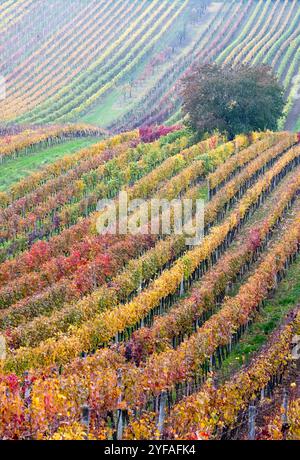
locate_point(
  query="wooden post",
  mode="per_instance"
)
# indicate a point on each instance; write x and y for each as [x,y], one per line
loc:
[27,389]
[252,414]
[120,412]
[120,425]
[162,411]
[182,287]
[211,363]
[284,418]
[85,418]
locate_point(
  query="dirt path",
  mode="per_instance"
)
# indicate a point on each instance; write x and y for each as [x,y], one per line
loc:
[293,116]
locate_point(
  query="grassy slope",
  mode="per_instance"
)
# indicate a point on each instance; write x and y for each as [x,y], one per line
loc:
[15,169]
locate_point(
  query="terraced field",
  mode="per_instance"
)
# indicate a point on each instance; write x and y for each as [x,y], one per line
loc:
[130,326]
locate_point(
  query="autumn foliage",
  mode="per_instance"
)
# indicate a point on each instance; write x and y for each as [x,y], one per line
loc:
[114,322]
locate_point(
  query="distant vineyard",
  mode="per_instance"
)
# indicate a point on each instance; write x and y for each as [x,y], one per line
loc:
[60,78]
[251,32]
[130,327]
[119,63]
[28,140]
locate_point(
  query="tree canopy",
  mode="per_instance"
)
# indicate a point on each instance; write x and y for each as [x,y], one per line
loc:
[232,100]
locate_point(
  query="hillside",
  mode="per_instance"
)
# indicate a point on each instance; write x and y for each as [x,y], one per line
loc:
[117,64]
[130,326]
[149,223]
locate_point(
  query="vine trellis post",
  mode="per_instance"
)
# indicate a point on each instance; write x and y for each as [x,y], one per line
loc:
[162,412]
[85,418]
[284,417]
[120,412]
[251,426]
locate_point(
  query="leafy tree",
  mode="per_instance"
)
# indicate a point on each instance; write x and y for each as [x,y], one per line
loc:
[232,100]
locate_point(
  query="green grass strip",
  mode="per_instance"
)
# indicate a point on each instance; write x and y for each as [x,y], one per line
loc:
[15,169]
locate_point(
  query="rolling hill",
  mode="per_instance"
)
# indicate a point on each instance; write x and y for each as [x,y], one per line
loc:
[117,323]
[131,325]
[118,64]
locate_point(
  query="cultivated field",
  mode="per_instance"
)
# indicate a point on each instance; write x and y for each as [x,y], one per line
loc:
[131,325]
[118,63]
[145,335]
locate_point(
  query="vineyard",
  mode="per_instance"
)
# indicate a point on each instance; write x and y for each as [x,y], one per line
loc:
[149,220]
[120,62]
[122,336]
